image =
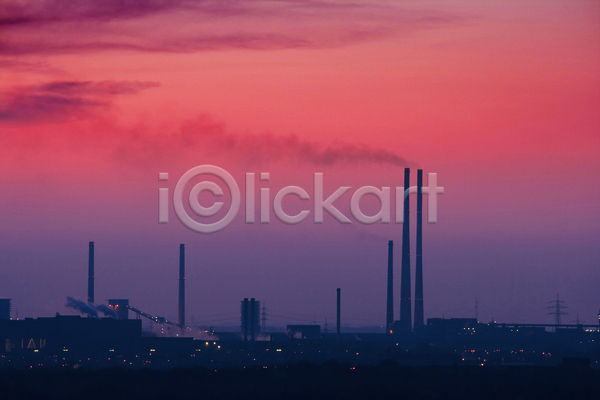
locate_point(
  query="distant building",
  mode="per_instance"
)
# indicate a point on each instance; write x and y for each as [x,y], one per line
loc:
[304,331]
[452,324]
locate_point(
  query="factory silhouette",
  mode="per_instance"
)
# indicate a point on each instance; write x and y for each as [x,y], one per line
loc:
[106,336]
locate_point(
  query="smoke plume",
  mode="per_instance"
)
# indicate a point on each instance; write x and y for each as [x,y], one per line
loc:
[82,307]
[90,308]
[106,310]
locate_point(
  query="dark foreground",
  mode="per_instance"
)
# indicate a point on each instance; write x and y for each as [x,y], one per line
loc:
[305,381]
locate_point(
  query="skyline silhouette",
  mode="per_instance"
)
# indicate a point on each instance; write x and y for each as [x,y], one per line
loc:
[499,99]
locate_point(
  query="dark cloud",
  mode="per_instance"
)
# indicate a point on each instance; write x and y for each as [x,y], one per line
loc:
[60,99]
[34,107]
[27,66]
[14,13]
[94,88]
[55,26]
[144,145]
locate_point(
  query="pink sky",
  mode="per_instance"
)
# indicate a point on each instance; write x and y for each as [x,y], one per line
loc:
[500,98]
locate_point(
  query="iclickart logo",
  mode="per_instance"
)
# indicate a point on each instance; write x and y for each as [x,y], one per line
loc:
[319,203]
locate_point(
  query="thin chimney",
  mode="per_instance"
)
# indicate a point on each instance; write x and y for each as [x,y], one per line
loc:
[389,318]
[182,285]
[405,300]
[339,299]
[419,317]
[91,273]
[252,319]
[245,319]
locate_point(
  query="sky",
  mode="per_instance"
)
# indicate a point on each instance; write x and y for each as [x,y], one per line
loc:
[500,98]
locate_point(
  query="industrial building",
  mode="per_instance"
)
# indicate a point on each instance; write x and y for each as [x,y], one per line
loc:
[4,309]
[250,319]
[120,307]
[65,333]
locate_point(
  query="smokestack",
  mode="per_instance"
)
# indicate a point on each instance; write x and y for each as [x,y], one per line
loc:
[389,317]
[405,302]
[339,301]
[245,318]
[419,318]
[182,285]
[91,273]
[252,318]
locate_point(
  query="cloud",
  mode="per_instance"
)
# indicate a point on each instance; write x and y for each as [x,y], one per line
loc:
[61,99]
[95,88]
[183,26]
[15,13]
[76,104]
[27,66]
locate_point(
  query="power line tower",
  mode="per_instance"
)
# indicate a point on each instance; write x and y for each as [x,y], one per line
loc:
[264,318]
[476,309]
[558,306]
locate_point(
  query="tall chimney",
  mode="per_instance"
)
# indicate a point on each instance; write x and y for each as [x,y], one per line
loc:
[419,318]
[389,317]
[252,318]
[91,273]
[339,300]
[405,301]
[245,319]
[182,285]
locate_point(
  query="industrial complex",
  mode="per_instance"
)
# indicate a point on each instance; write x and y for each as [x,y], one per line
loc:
[105,335]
